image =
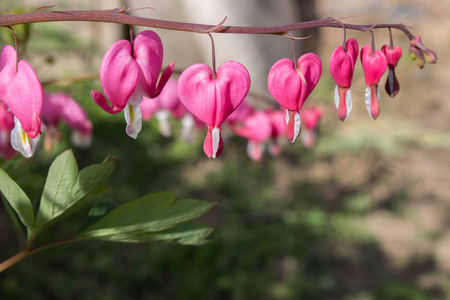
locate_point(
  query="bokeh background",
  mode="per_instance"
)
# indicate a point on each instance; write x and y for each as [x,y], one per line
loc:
[360,216]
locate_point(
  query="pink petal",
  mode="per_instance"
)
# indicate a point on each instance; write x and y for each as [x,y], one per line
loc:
[341,67]
[393,55]
[374,65]
[148,52]
[310,66]
[198,93]
[352,49]
[232,85]
[24,98]
[119,74]
[284,84]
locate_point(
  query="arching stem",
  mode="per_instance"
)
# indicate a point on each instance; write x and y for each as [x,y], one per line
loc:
[213,56]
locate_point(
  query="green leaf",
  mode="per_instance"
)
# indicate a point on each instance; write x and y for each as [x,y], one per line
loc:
[97,212]
[184,234]
[65,187]
[18,201]
[150,213]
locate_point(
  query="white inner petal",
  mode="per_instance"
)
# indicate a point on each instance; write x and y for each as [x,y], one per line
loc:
[163,119]
[21,142]
[80,140]
[297,128]
[368,100]
[287,116]
[187,125]
[336,96]
[133,116]
[348,102]
[215,140]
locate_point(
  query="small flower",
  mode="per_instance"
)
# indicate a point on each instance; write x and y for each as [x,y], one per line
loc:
[278,121]
[393,55]
[290,86]
[374,66]
[21,92]
[342,65]
[256,128]
[62,107]
[311,117]
[212,100]
[130,71]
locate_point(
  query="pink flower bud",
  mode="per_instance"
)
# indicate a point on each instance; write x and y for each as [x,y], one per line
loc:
[392,55]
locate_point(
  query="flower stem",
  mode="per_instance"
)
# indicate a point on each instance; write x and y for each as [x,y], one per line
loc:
[117,16]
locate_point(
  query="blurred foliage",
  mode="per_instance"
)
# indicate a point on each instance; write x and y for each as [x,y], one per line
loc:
[286,228]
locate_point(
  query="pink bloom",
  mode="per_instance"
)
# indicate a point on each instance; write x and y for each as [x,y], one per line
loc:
[290,87]
[21,92]
[129,72]
[212,100]
[243,111]
[6,125]
[62,107]
[257,128]
[311,117]
[342,65]
[374,65]
[393,55]
[167,103]
[278,122]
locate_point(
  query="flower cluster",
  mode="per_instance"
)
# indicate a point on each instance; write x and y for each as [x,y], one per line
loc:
[131,81]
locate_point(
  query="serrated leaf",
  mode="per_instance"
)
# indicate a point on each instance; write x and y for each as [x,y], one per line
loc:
[184,234]
[65,187]
[18,201]
[151,213]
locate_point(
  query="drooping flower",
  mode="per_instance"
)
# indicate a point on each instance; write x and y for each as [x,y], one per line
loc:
[256,128]
[6,125]
[130,71]
[278,122]
[418,47]
[291,86]
[342,65]
[374,65]
[212,100]
[21,92]
[393,55]
[166,104]
[62,107]
[311,117]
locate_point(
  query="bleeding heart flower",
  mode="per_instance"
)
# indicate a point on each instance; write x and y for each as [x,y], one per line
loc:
[130,71]
[342,65]
[21,92]
[374,66]
[62,107]
[291,86]
[393,55]
[278,121]
[212,100]
[311,117]
[167,103]
[256,128]
[6,125]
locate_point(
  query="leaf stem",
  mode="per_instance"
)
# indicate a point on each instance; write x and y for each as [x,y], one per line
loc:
[27,252]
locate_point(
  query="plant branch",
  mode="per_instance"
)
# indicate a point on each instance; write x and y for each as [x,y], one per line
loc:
[118,16]
[27,252]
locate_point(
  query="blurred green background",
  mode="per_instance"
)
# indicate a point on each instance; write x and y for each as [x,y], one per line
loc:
[361,216]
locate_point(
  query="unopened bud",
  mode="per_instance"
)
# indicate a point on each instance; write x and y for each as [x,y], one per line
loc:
[415,53]
[430,56]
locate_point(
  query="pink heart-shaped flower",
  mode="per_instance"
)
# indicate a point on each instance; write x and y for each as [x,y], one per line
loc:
[290,87]
[212,100]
